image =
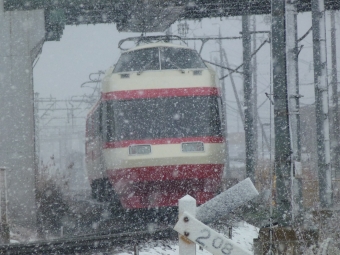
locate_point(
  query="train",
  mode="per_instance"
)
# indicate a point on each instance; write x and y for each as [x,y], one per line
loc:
[156,133]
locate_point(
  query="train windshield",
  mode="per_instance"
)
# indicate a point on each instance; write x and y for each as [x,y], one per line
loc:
[138,60]
[158,58]
[179,58]
[163,118]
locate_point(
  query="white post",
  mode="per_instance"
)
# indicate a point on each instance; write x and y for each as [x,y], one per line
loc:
[187,204]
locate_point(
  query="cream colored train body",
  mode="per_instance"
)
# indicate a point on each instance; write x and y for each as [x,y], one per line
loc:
[156,133]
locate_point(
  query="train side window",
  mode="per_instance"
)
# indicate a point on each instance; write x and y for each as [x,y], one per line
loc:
[138,61]
[96,122]
[103,121]
[220,119]
[220,109]
[100,120]
[89,135]
[109,122]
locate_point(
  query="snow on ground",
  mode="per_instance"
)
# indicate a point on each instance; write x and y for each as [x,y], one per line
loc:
[243,234]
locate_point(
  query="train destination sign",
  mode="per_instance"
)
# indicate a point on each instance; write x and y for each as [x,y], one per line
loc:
[191,228]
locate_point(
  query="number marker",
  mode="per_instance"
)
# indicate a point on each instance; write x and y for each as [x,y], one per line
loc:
[207,238]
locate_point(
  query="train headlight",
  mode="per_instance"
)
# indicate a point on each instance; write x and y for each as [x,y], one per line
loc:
[190,147]
[139,149]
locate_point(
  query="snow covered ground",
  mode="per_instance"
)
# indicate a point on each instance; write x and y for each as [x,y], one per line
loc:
[243,234]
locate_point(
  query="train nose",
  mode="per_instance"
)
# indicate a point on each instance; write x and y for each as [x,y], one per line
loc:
[160,186]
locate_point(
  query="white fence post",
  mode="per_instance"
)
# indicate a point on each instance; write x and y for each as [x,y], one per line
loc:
[187,204]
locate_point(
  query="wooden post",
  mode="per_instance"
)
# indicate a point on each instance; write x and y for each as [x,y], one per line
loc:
[187,204]
[4,228]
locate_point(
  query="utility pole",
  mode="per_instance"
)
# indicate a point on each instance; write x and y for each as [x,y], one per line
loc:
[335,99]
[225,124]
[36,135]
[281,114]
[294,107]
[248,99]
[321,102]
[255,94]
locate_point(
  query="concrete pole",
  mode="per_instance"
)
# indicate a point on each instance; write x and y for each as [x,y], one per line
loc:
[321,102]
[22,34]
[248,99]
[255,114]
[36,135]
[281,114]
[226,174]
[335,99]
[292,79]
[293,101]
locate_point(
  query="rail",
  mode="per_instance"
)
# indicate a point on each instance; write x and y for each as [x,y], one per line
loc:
[103,243]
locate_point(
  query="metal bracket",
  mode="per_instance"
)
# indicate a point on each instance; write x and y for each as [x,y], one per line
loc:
[270,99]
[282,113]
[295,96]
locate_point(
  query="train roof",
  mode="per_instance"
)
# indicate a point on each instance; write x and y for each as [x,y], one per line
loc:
[158,44]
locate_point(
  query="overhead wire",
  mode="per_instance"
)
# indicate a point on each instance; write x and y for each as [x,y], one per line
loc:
[255,52]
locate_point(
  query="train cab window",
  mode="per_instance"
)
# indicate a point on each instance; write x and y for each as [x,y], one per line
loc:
[179,58]
[138,61]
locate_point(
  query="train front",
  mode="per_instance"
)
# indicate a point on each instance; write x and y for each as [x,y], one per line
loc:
[163,117]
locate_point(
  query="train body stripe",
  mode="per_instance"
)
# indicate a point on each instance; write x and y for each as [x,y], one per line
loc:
[122,144]
[164,173]
[156,93]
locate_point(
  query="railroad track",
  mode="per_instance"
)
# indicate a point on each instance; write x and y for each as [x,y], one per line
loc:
[85,244]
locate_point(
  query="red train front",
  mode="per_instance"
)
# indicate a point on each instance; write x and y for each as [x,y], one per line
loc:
[156,134]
